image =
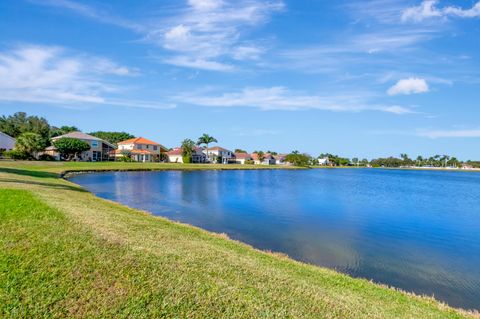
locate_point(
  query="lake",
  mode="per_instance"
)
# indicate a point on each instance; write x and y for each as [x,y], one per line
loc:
[415,230]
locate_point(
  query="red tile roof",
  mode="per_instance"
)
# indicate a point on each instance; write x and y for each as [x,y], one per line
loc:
[217,148]
[242,155]
[138,140]
[265,156]
[135,152]
[175,151]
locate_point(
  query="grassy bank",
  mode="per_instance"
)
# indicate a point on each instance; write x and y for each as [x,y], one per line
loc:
[66,253]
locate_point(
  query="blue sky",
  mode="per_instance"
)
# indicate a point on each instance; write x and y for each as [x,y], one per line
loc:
[357,78]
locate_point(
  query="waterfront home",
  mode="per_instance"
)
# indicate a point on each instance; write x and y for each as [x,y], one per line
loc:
[140,149]
[219,154]
[280,159]
[267,159]
[175,155]
[7,143]
[242,158]
[324,161]
[100,150]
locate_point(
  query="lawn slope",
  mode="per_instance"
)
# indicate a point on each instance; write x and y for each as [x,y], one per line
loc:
[66,253]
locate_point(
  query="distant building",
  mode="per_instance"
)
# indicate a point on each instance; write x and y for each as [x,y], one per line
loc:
[219,154]
[323,161]
[267,159]
[140,149]
[280,159]
[100,150]
[175,155]
[7,143]
[242,158]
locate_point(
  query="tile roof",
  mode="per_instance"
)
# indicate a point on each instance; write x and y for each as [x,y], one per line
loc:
[217,148]
[138,140]
[265,156]
[242,155]
[82,136]
[136,152]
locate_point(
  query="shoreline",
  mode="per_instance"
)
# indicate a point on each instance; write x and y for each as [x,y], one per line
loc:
[277,256]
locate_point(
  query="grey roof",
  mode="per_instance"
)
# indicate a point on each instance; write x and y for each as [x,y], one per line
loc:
[6,135]
[83,136]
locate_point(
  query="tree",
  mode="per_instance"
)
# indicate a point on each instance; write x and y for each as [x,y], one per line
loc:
[298,159]
[18,123]
[260,155]
[29,144]
[206,139]
[188,147]
[57,131]
[355,161]
[70,147]
[112,137]
[239,150]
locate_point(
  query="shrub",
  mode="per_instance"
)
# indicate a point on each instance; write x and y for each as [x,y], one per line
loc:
[46,157]
[249,162]
[187,159]
[16,155]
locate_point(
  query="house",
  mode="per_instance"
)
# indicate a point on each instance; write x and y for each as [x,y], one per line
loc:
[175,155]
[219,154]
[267,159]
[280,159]
[7,143]
[100,150]
[324,161]
[140,149]
[242,158]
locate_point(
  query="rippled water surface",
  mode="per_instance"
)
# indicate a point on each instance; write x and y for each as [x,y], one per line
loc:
[416,230]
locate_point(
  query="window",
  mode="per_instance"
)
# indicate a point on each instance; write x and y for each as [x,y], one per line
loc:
[94,143]
[155,147]
[139,146]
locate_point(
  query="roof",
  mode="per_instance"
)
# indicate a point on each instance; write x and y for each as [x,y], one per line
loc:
[178,151]
[6,135]
[139,140]
[82,136]
[51,148]
[265,156]
[217,148]
[242,155]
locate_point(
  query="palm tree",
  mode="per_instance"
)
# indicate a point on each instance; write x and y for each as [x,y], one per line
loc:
[29,144]
[188,146]
[206,139]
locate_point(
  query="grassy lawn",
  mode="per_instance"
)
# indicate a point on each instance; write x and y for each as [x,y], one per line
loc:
[66,253]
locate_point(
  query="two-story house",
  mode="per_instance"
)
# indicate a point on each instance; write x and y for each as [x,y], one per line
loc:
[219,154]
[100,150]
[140,149]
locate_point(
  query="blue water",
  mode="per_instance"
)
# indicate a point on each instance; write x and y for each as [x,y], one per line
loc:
[415,230]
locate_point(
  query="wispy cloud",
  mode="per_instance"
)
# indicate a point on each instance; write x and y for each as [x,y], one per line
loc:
[281,98]
[409,86]
[46,74]
[208,32]
[429,9]
[475,133]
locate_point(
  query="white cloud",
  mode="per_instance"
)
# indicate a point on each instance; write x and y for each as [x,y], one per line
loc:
[46,74]
[210,31]
[428,9]
[449,133]
[409,86]
[281,98]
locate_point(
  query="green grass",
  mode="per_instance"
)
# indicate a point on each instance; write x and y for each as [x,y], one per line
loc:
[66,253]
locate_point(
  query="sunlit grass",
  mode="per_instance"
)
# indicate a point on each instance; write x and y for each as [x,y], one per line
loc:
[66,253]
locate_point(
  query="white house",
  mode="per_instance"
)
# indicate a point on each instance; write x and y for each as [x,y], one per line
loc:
[267,159]
[323,161]
[219,154]
[140,149]
[280,159]
[175,155]
[241,158]
[7,142]
[100,150]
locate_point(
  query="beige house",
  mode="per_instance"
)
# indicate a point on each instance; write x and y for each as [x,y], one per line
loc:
[100,150]
[242,158]
[268,159]
[175,155]
[140,149]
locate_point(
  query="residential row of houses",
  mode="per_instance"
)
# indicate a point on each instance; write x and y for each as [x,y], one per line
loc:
[140,149]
